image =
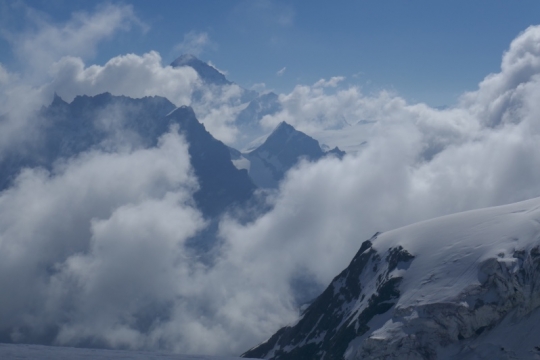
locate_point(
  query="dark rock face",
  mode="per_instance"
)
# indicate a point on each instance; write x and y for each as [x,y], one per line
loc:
[337,152]
[221,183]
[366,288]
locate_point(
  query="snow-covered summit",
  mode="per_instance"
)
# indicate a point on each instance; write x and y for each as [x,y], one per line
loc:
[464,286]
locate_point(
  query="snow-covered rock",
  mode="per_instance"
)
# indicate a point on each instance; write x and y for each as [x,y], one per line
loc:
[464,286]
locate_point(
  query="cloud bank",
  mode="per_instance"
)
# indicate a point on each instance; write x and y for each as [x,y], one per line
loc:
[94,252]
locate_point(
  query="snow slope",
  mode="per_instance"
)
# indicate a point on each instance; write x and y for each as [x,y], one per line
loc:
[464,286]
[35,352]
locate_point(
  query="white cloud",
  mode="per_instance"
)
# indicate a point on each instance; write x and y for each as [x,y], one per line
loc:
[39,47]
[43,44]
[101,237]
[4,75]
[333,82]
[281,71]
[498,99]
[194,43]
[260,87]
[419,163]
[224,72]
[130,75]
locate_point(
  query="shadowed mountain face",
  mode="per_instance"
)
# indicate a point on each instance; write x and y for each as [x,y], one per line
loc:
[221,183]
[282,150]
[108,122]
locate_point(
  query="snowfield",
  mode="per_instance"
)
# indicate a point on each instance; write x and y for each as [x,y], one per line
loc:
[39,352]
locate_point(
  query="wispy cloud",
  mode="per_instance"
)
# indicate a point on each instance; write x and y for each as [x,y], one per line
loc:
[281,71]
[194,43]
[44,42]
[333,82]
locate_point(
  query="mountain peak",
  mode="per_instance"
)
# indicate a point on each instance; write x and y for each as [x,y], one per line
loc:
[207,73]
[284,127]
[280,152]
[185,59]
[57,100]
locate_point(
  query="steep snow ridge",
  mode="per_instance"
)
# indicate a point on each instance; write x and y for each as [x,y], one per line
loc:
[447,288]
[449,250]
[476,274]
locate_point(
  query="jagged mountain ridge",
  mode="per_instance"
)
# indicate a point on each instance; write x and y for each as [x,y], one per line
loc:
[464,286]
[68,129]
[280,152]
[105,120]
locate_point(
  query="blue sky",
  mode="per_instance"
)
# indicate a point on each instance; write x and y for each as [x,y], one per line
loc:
[426,51]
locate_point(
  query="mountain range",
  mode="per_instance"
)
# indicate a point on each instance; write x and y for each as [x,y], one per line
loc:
[104,121]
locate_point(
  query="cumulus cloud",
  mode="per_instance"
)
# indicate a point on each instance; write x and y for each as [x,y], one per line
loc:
[499,97]
[39,47]
[138,76]
[130,75]
[418,163]
[91,235]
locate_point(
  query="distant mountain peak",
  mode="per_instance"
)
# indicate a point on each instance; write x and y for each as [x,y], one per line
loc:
[58,101]
[280,152]
[207,73]
[186,58]
[284,127]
